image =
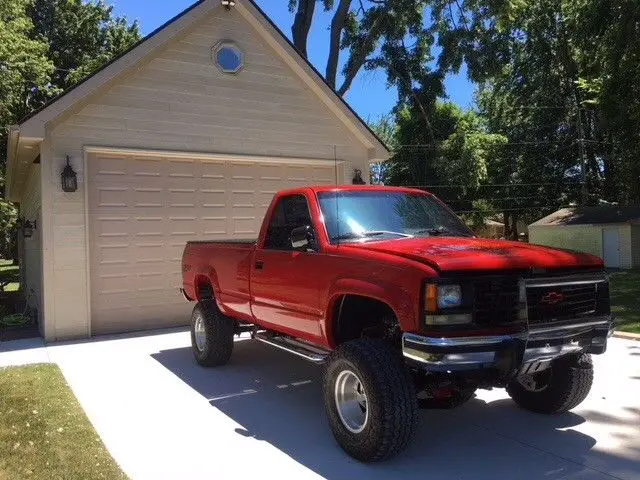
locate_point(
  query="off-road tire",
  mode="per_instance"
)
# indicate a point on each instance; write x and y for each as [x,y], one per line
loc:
[569,384]
[391,399]
[457,400]
[219,332]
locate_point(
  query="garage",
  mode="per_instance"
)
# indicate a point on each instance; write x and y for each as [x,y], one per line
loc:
[611,232]
[170,143]
[143,209]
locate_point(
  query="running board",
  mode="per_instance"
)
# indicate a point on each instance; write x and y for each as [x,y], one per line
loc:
[291,345]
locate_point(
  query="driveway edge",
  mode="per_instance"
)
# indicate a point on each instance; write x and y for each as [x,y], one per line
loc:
[627,335]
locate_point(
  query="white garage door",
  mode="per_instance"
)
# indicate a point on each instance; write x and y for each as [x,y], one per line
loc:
[142,211]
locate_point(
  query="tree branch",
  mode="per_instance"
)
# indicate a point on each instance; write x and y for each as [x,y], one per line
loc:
[302,25]
[337,25]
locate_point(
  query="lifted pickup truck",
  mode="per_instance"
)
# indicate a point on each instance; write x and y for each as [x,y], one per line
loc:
[405,308]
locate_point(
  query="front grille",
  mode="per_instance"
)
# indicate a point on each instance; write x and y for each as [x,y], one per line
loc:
[495,300]
[563,302]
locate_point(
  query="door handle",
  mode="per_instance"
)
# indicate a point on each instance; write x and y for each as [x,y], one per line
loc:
[259,265]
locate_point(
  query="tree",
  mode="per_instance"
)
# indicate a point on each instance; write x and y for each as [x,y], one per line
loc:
[456,164]
[46,46]
[371,31]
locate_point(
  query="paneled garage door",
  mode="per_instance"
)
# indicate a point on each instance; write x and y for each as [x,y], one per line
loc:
[142,211]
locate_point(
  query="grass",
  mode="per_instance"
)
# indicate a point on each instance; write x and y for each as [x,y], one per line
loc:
[44,433]
[9,273]
[625,299]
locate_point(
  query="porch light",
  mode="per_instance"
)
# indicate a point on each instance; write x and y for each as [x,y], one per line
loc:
[27,228]
[69,178]
[357,177]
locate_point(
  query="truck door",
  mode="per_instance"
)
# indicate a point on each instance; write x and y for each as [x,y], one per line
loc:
[286,287]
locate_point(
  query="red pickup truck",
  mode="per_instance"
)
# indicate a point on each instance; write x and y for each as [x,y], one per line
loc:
[405,308]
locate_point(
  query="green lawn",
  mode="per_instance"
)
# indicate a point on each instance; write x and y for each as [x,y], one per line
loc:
[625,299]
[44,434]
[9,273]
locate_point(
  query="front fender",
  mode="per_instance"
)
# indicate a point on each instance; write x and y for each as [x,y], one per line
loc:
[398,299]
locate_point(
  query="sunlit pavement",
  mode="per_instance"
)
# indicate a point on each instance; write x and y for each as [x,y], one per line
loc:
[162,416]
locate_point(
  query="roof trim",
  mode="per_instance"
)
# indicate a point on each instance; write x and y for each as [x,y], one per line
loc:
[110,62]
[319,75]
[312,72]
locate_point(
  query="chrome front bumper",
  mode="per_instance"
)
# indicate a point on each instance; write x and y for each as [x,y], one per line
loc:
[526,352]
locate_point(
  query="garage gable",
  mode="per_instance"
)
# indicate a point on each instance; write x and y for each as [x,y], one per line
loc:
[182,95]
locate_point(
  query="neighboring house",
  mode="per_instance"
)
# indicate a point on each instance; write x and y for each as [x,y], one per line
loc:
[489,229]
[610,232]
[186,136]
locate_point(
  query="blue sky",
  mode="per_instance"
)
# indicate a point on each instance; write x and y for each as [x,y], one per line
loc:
[369,95]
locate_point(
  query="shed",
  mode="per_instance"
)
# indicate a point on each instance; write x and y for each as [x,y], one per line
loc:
[610,232]
[186,136]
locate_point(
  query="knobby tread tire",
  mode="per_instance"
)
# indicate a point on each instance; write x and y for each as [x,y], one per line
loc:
[219,335]
[570,383]
[390,394]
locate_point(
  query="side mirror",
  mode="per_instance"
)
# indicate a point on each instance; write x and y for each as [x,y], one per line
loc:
[302,238]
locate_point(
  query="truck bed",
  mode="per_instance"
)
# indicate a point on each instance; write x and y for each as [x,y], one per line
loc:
[242,241]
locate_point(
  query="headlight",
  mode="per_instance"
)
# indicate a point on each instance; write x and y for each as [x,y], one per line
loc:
[442,297]
[449,296]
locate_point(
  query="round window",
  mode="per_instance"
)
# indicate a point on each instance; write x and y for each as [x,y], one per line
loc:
[228,57]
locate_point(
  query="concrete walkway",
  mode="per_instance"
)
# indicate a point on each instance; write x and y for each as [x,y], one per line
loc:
[164,417]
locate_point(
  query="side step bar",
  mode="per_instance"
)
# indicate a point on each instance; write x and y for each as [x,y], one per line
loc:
[291,345]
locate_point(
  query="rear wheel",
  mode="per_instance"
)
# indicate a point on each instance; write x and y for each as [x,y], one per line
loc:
[557,389]
[211,335]
[370,399]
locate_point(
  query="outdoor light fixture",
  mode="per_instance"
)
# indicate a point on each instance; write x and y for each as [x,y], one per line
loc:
[228,4]
[357,177]
[27,228]
[69,178]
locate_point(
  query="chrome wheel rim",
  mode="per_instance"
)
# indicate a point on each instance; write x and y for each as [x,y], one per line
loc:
[200,334]
[351,401]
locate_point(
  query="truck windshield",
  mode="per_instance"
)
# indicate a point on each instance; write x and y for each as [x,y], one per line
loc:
[377,215]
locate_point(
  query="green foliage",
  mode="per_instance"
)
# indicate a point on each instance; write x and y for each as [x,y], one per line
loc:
[8,230]
[46,46]
[460,154]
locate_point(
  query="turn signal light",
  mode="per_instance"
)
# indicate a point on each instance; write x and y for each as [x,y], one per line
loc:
[431,298]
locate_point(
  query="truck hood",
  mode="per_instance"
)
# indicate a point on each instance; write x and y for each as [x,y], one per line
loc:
[460,253]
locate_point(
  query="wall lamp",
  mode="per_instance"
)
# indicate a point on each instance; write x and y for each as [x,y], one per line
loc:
[357,177]
[28,227]
[228,4]
[69,178]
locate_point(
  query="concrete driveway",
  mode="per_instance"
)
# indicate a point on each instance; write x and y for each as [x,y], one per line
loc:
[164,417]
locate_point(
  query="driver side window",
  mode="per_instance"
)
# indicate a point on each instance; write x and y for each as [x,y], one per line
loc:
[291,212]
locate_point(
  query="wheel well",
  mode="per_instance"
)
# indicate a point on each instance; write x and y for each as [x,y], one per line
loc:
[204,289]
[356,317]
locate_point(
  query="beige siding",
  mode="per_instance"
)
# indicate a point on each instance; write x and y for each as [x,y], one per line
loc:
[583,238]
[32,261]
[635,246]
[587,238]
[181,101]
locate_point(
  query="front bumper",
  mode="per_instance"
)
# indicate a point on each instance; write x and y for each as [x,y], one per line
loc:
[520,353]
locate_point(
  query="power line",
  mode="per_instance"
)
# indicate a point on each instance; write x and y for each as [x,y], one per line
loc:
[523,209]
[486,185]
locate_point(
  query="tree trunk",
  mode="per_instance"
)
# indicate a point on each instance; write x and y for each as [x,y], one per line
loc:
[337,25]
[302,25]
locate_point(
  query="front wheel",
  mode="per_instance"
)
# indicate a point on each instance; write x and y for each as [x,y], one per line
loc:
[558,389]
[370,399]
[211,335]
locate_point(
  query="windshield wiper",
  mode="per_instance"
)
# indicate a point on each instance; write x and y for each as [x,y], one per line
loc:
[373,233]
[440,230]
